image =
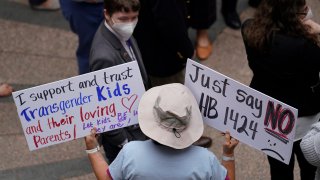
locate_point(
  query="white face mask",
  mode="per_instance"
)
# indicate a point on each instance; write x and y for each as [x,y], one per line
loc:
[309,15]
[125,30]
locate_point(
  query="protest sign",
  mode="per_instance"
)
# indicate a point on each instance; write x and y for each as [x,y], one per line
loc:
[252,117]
[68,109]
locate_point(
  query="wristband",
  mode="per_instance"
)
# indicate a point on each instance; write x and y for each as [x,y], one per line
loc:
[94,150]
[226,158]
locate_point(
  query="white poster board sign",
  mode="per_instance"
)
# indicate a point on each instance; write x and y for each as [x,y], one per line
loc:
[252,117]
[68,109]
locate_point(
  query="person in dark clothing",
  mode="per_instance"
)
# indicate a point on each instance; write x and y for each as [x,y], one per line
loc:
[162,36]
[84,18]
[283,51]
[202,14]
[254,3]
[230,14]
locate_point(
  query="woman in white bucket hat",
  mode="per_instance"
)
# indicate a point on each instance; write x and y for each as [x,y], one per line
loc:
[169,115]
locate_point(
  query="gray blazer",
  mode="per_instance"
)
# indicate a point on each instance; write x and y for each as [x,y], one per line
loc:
[107,51]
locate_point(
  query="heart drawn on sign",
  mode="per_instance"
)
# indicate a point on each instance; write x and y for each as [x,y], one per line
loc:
[128,102]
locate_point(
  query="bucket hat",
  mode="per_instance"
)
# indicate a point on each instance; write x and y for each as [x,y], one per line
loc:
[169,114]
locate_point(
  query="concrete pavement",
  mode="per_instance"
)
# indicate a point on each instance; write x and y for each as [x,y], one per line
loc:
[38,48]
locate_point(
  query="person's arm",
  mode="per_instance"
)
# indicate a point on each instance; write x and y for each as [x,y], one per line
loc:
[309,145]
[314,27]
[98,163]
[228,155]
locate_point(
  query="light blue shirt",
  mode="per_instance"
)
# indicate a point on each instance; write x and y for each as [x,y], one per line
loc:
[147,160]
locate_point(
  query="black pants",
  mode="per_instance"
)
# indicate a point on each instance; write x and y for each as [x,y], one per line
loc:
[203,13]
[36,2]
[281,171]
[229,6]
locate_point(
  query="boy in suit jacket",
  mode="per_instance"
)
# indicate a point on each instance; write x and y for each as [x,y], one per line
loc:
[112,45]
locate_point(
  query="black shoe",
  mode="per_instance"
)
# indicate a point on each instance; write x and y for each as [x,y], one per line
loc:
[232,20]
[203,142]
[254,3]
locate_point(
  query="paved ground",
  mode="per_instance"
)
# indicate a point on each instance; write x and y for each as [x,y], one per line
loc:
[37,48]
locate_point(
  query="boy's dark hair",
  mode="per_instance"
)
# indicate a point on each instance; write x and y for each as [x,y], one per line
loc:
[113,6]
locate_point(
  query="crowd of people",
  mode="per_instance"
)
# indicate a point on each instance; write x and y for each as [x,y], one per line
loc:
[282,44]
[105,40]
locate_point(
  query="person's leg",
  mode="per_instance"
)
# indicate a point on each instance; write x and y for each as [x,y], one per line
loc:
[307,171]
[230,14]
[46,5]
[36,2]
[254,3]
[84,19]
[203,15]
[5,89]
[281,171]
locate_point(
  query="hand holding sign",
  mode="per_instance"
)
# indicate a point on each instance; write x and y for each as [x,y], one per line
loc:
[91,139]
[250,116]
[68,109]
[229,144]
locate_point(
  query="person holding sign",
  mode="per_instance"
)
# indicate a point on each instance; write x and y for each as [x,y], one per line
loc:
[283,51]
[112,45]
[170,116]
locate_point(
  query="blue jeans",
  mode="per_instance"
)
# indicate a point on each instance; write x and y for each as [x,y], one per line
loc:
[84,20]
